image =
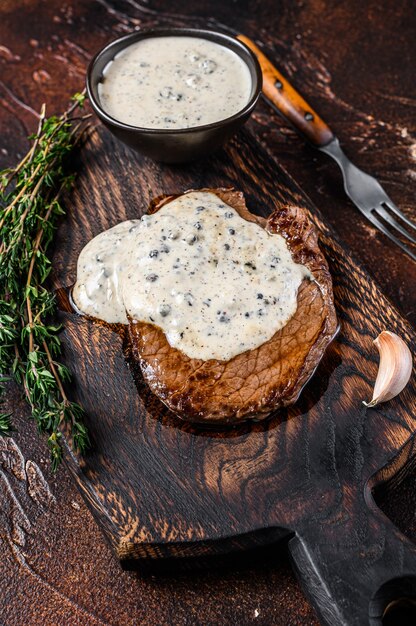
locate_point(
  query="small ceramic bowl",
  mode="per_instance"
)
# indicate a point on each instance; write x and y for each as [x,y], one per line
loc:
[174,145]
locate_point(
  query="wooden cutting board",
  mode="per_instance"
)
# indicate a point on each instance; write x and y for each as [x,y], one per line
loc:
[165,491]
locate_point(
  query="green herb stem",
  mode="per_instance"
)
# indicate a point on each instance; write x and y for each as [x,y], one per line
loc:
[29,340]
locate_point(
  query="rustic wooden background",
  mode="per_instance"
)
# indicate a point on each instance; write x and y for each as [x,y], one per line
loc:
[355,61]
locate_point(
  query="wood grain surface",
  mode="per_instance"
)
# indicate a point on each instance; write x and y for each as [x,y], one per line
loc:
[54,43]
[163,489]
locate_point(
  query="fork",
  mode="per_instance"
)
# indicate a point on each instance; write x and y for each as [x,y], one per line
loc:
[364,190]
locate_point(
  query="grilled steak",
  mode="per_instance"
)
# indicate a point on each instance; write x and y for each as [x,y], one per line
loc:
[256,382]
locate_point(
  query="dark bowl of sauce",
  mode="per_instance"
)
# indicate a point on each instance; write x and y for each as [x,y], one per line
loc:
[171,94]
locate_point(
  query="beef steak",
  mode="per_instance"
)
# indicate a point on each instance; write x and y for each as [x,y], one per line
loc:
[259,381]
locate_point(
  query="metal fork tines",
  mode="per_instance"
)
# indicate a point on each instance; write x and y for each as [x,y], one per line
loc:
[369,196]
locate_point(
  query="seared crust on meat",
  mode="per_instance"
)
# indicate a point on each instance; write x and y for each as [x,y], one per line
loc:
[256,382]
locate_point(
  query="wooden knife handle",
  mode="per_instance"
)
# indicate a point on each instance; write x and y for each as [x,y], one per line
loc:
[288,102]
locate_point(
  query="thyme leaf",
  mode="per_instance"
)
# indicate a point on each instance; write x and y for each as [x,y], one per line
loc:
[30,206]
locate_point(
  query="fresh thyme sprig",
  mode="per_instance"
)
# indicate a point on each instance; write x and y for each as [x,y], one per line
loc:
[29,343]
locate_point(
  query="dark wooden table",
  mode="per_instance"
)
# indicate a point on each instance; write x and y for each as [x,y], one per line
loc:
[354,60]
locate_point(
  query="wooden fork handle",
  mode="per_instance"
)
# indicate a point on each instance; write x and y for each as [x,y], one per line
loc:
[288,102]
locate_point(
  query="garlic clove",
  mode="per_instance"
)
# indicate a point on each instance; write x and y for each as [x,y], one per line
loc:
[394,370]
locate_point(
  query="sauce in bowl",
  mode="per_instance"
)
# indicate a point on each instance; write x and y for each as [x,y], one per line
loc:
[174,82]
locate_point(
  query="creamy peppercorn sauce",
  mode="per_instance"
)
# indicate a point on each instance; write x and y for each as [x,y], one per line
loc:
[216,284]
[174,82]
